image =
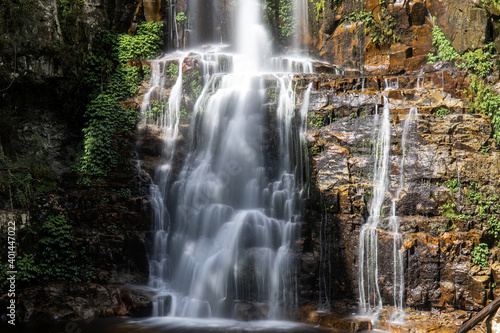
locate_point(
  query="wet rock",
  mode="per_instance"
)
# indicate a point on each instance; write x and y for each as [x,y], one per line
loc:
[418,14]
[436,249]
[152,10]
[251,311]
[334,321]
[398,54]
[463,23]
[82,301]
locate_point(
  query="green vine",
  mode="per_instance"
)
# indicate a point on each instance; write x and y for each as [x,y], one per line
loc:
[485,100]
[48,252]
[279,16]
[113,73]
[319,9]
[172,71]
[24,179]
[480,61]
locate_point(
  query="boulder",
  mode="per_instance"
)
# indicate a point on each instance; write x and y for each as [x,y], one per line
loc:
[82,301]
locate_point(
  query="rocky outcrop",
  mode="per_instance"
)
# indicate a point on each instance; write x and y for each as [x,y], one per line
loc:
[441,148]
[344,41]
[464,23]
[80,301]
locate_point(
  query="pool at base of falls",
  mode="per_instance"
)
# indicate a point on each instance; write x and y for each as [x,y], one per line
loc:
[164,325]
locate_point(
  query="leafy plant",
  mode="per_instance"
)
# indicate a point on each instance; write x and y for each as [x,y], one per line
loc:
[494,226]
[24,179]
[195,83]
[449,210]
[319,8]
[287,19]
[485,149]
[444,49]
[443,112]
[453,185]
[484,100]
[279,16]
[125,192]
[58,257]
[380,29]
[480,255]
[172,71]
[181,18]
[114,73]
[479,61]
[315,120]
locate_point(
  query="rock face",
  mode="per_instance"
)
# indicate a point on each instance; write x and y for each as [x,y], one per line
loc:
[463,22]
[73,302]
[340,40]
[42,47]
[441,149]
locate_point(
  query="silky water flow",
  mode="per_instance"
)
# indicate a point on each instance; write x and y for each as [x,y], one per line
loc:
[226,225]
[370,297]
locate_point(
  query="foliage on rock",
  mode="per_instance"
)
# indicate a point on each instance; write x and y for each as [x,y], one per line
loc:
[23,179]
[279,16]
[49,254]
[483,99]
[483,206]
[479,61]
[480,255]
[380,29]
[114,72]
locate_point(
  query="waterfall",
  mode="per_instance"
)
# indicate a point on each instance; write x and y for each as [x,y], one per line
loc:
[301,35]
[227,221]
[399,284]
[369,290]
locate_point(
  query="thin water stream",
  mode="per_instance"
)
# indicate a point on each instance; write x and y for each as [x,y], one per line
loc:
[370,297]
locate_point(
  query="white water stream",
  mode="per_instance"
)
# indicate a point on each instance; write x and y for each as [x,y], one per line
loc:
[370,297]
[226,225]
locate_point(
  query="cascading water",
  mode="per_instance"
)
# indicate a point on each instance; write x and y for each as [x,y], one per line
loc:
[369,289]
[226,225]
[301,36]
[398,280]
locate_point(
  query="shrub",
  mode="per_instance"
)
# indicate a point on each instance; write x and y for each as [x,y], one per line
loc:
[480,255]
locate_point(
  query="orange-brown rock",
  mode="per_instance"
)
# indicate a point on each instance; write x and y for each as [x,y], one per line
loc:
[398,55]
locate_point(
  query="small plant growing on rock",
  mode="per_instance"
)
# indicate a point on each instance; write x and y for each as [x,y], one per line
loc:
[484,100]
[453,185]
[380,29]
[315,120]
[181,18]
[442,112]
[494,226]
[172,71]
[480,255]
[114,72]
[444,49]
[479,61]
